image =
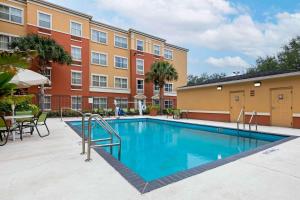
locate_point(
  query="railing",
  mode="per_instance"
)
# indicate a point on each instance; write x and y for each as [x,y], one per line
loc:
[242,114]
[99,120]
[254,114]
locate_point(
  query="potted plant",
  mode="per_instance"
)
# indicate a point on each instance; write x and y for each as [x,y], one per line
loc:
[153,110]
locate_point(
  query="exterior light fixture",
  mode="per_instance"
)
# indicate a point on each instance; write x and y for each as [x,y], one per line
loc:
[220,87]
[257,84]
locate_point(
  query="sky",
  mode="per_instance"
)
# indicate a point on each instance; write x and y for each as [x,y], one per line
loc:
[223,36]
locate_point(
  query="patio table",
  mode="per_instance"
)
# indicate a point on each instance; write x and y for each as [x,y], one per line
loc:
[13,118]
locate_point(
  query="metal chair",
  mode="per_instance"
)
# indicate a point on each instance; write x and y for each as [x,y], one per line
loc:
[5,130]
[40,120]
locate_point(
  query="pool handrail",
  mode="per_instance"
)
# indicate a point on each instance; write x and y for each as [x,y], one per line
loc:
[242,113]
[254,114]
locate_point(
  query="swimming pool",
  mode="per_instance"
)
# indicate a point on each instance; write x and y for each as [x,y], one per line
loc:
[154,150]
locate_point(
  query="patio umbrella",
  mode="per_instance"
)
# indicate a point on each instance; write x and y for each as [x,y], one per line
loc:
[26,78]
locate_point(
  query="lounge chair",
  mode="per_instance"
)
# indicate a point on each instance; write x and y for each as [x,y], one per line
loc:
[25,122]
[5,130]
[39,121]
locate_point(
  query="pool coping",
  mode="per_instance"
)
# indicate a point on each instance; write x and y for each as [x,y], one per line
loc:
[144,187]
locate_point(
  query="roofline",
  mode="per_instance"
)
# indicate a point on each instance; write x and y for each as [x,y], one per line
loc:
[176,47]
[241,81]
[108,26]
[46,3]
[147,35]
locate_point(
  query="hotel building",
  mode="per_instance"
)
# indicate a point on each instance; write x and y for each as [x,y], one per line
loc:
[109,63]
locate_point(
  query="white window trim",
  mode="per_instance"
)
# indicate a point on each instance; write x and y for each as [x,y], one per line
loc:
[38,19]
[137,84]
[93,74]
[137,66]
[80,50]
[76,71]
[8,35]
[172,54]
[71,28]
[93,29]
[101,98]
[136,45]
[123,77]
[22,23]
[120,57]
[122,37]
[99,53]
[159,49]
[76,97]
[48,95]
[172,88]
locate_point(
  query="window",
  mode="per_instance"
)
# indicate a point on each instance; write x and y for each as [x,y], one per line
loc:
[99,81]
[156,89]
[168,87]
[168,104]
[47,102]
[76,78]
[99,102]
[168,54]
[140,66]
[76,53]
[156,50]
[98,36]
[47,73]
[5,41]
[121,83]
[140,45]
[155,102]
[121,62]
[140,86]
[76,102]
[76,29]
[99,58]
[121,42]
[122,103]
[44,20]
[11,14]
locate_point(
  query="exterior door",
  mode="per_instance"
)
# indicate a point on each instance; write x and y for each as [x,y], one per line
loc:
[237,102]
[281,110]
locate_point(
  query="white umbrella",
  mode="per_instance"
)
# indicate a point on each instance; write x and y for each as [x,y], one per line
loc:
[26,78]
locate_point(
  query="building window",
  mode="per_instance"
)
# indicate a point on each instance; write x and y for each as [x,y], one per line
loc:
[121,83]
[122,103]
[121,62]
[121,42]
[140,86]
[47,73]
[140,45]
[168,54]
[99,81]
[99,58]
[44,20]
[76,29]
[5,41]
[76,78]
[47,102]
[156,89]
[140,66]
[99,102]
[99,36]
[168,104]
[156,50]
[155,102]
[11,14]
[76,102]
[168,87]
[76,53]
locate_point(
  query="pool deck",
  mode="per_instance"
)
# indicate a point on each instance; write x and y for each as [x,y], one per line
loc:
[52,168]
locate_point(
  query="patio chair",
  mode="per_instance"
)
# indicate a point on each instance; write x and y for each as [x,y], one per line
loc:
[5,130]
[25,123]
[39,121]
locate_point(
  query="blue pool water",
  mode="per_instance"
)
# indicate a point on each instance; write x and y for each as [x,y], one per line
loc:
[156,148]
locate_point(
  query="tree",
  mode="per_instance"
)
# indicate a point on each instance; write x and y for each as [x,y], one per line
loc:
[161,72]
[194,79]
[48,51]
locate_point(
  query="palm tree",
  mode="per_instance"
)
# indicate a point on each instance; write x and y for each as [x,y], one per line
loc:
[48,51]
[160,73]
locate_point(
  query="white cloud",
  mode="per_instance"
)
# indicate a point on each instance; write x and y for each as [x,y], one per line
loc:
[215,24]
[228,62]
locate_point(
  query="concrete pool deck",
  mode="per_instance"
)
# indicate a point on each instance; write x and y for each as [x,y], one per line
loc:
[52,168]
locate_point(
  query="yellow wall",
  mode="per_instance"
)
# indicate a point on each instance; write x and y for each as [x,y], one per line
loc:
[109,48]
[209,99]
[60,20]
[13,28]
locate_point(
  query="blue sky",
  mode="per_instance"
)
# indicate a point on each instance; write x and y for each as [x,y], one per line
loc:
[222,36]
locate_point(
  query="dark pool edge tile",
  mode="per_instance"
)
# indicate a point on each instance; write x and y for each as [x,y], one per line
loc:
[144,187]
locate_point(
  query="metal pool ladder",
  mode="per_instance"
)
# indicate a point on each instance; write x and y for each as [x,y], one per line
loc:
[242,114]
[92,143]
[253,116]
